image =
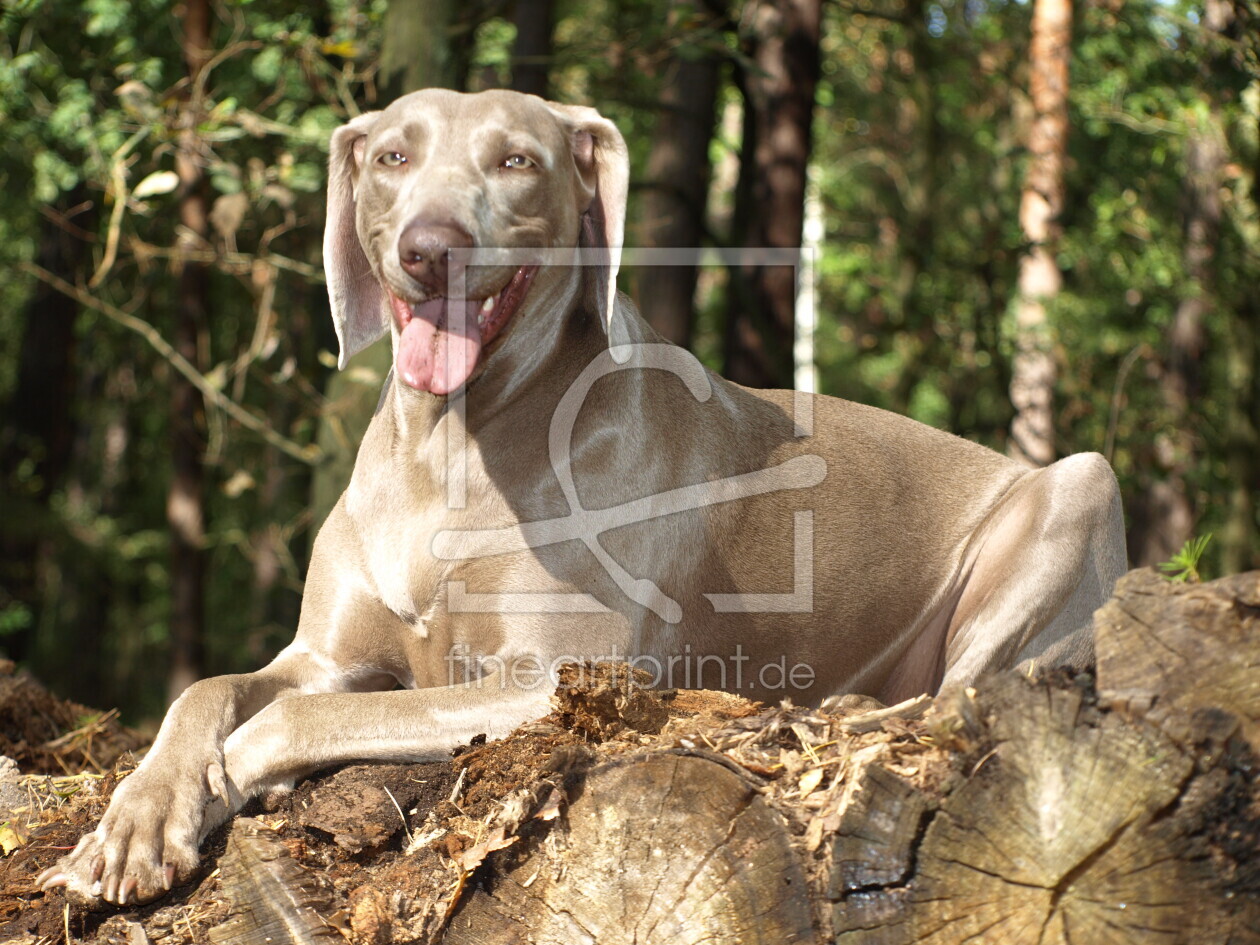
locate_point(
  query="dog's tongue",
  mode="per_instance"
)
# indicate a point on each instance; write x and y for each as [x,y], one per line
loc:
[434,354]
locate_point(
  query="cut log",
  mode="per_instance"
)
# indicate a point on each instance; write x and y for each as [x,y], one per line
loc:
[274,902]
[1168,649]
[1019,812]
[665,848]
[1077,826]
[878,830]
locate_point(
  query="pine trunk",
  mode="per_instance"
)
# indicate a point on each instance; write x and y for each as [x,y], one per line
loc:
[778,113]
[673,204]
[185,502]
[1034,371]
[1164,512]
[531,52]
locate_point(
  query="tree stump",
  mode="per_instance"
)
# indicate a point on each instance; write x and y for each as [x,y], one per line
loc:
[1078,826]
[1166,650]
[1129,819]
[664,848]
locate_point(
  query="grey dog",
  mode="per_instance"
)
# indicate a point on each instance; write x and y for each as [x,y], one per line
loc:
[546,479]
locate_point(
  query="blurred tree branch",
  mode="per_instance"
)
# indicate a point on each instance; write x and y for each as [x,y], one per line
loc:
[310,453]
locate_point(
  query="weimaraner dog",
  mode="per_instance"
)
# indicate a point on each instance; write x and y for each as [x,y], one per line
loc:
[546,479]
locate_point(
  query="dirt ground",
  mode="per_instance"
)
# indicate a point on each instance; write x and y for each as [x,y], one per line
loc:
[386,853]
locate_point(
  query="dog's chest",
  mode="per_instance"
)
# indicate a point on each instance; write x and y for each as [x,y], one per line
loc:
[405,576]
[398,534]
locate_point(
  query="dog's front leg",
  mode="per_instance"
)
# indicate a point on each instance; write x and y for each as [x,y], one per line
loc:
[148,837]
[296,736]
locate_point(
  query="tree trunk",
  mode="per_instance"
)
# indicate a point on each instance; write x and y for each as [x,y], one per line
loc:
[531,53]
[918,119]
[38,426]
[778,113]
[185,501]
[417,51]
[673,205]
[1165,513]
[1033,372]
[1240,537]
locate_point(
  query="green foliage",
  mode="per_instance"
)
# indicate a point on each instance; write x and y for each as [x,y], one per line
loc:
[1184,565]
[919,151]
[15,617]
[919,136]
[916,145]
[93,98]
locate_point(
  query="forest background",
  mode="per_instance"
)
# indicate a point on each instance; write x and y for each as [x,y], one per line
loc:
[1036,226]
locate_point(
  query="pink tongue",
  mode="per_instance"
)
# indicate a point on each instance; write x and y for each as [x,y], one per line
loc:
[438,359]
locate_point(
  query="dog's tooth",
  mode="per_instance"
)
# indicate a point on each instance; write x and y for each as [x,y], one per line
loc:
[487,306]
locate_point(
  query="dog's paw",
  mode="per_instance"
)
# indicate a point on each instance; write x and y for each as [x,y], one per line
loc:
[146,842]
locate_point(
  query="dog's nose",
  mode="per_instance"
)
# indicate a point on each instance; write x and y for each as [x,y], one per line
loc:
[424,250]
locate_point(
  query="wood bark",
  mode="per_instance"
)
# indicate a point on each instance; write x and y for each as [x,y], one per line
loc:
[672,208]
[1034,371]
[185,501]
[778,115]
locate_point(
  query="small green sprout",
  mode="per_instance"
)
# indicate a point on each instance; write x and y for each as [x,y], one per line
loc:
[1184,565]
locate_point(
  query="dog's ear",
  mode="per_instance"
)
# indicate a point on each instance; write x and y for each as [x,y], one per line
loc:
[603,172]
[358,304]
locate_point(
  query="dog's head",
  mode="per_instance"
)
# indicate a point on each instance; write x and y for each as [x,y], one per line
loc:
[414,188]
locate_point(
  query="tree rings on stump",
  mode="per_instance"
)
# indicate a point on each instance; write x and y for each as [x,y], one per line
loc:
[665,848]
[1074,826]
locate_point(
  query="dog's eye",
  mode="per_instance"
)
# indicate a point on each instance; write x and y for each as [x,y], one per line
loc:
[517,162]
[392,159]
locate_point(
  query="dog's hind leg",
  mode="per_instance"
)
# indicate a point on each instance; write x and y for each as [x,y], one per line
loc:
[1042,563]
